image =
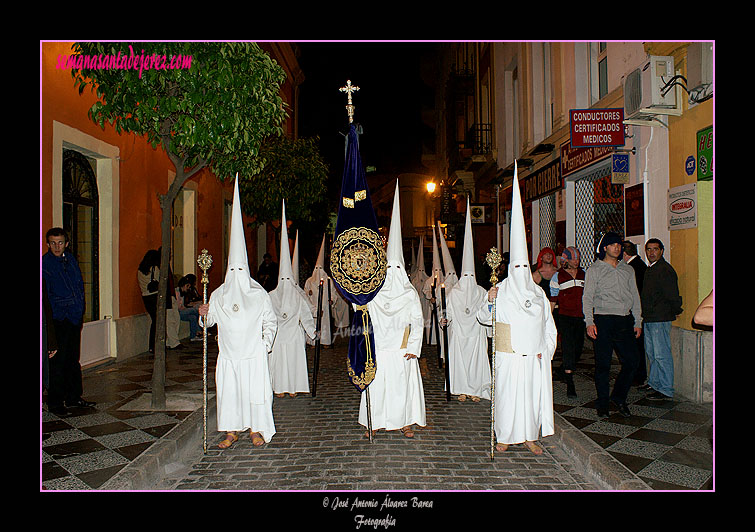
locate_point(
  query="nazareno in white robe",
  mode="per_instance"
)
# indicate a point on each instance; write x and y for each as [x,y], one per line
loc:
[397,397]
[523,382]
[246,332]
[311,288]
[469,368]
[427,292]
[418,279]
[288,359]
[340,309]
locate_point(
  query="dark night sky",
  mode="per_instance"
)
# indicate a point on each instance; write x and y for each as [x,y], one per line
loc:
[387,107]
[387,103]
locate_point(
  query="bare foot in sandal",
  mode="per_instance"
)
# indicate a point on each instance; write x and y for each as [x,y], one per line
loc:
[534,447]
[230,439]
[501,447]
[408,432]
[257,439]
[462,398]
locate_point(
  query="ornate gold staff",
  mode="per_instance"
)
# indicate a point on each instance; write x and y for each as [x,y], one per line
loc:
[204,261]
[493,259]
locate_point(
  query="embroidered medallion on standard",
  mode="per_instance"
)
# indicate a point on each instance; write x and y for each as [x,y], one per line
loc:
[358,260]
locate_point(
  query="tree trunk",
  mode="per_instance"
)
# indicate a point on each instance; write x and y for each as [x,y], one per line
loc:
[166,204]
[158,371]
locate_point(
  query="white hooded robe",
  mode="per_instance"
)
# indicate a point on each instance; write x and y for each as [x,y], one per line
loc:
[397,396]
[436,277]
[247,325]
[311,289]
[469,369]
[418,279]
[288,359]
[523,393]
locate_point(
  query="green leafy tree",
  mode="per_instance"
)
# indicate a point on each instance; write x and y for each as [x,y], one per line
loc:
[295,171]
[212,107]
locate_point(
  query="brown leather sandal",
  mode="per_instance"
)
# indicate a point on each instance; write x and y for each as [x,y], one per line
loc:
[230,439]
[257,439]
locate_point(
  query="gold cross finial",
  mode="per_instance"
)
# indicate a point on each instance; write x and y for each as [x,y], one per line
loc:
[348,89]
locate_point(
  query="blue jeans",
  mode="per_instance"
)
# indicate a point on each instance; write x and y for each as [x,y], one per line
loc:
[658,352]
[192,316]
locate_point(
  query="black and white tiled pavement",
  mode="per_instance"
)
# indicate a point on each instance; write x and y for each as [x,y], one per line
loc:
[668,445]
[86,447]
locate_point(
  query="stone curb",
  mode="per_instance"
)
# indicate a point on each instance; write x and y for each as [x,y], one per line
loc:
[595,461]
[150,468]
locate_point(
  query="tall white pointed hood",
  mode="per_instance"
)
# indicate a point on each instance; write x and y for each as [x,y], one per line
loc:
[419,275]
[319,274]
[448,264]
[520,300]
[285,268]
[239,294]
[421,255]
[467,296]
[414,262]
[397,292]
[286,296]
[467,257]
[295,260]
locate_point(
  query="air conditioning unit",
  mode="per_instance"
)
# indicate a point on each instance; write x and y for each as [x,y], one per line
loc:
[644,97]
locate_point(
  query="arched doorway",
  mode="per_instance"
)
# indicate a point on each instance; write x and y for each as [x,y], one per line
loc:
[80,221]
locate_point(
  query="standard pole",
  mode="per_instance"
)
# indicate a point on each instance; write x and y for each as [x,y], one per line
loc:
[435,325]
[445,340]
[317,340]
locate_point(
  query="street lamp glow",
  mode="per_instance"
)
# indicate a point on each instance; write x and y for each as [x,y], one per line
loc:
[430,187]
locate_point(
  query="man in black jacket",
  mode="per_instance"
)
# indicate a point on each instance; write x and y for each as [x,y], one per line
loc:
[636,262]
[661,304]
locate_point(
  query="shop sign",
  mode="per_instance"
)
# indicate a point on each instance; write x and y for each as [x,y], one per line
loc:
[446,204]
[575,159]
[682,207]
[620,168]
[545,181]
[689,165]
[634,209]
[705,154]
[596,127]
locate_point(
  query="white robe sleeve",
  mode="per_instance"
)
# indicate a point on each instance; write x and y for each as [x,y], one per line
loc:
[269,323]
[414,342]
[306,318]
[551,333]
[485,313]
[211,318]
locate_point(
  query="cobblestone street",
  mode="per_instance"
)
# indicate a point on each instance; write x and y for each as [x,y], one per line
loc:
[320,446]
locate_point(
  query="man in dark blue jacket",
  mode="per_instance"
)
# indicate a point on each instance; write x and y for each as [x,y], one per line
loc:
[65,291]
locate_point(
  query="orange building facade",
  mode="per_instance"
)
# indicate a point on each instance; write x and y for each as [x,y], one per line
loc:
[103,187]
